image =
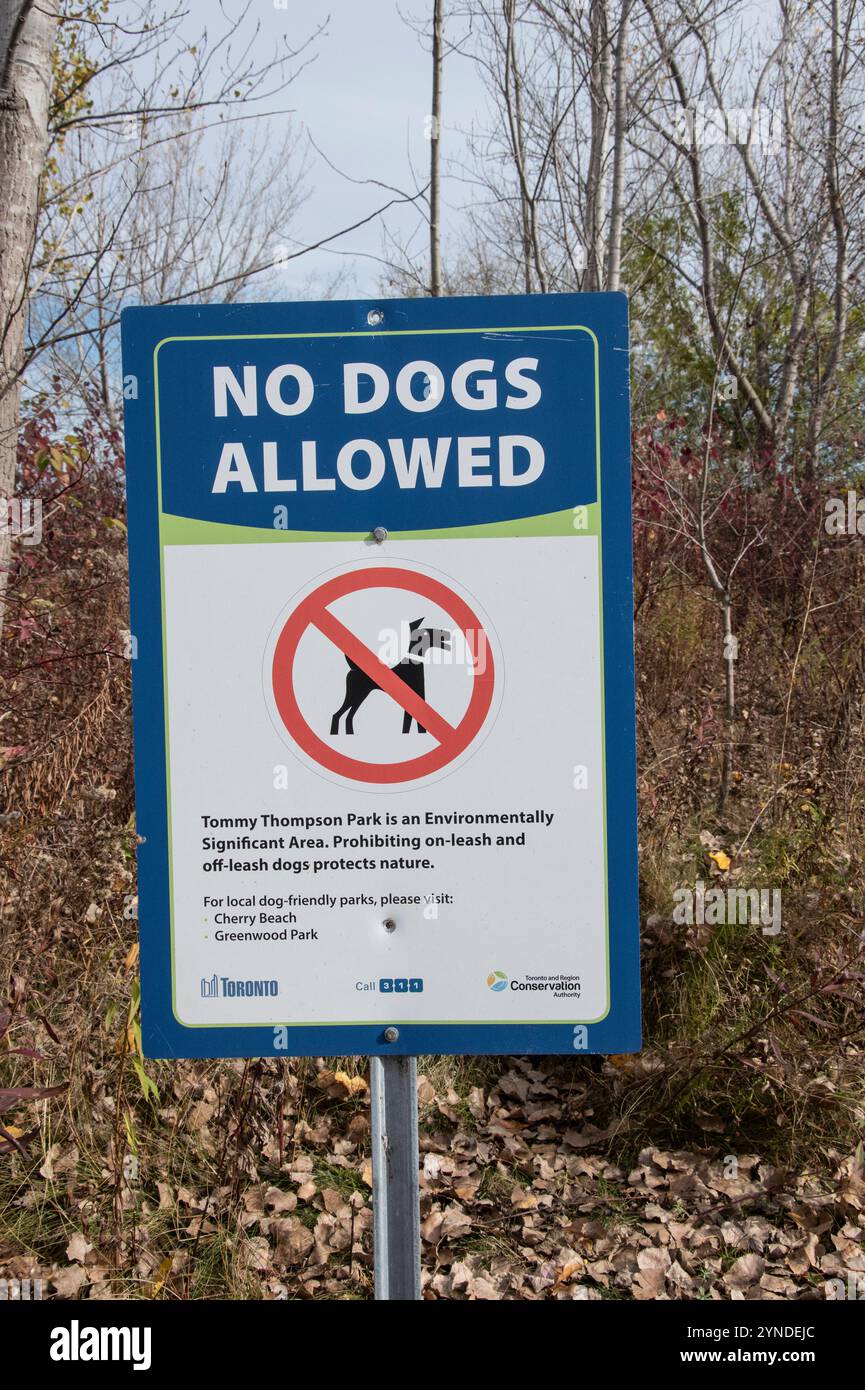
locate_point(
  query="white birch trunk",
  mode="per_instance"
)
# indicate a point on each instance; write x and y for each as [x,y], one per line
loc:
[27,32]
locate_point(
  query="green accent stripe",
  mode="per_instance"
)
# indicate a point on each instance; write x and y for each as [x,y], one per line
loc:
[181,530]
[407,1022]
[375,333]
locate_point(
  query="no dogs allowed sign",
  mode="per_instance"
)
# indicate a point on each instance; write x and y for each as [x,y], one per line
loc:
[383,676]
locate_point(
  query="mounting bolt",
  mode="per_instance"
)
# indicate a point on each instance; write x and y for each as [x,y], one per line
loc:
[391,1034]
[389,924]
[379,535]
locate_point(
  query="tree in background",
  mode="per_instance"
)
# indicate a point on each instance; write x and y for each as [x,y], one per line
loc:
[173,175]
[712,168]
[129,172]
[27,33]
[761,159]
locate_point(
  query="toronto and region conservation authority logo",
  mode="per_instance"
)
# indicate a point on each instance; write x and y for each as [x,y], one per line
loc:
[219,986]
[561,986]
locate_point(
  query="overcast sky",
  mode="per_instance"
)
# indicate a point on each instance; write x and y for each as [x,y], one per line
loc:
[363,100]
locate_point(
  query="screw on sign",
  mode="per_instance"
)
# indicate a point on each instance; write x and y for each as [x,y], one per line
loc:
[403,684]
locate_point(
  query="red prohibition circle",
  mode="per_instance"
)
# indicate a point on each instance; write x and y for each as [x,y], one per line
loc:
[313,611]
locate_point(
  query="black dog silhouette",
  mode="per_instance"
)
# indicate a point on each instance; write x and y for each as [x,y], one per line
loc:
[411,670]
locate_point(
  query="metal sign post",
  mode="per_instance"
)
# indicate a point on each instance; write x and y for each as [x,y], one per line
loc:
[396,1195]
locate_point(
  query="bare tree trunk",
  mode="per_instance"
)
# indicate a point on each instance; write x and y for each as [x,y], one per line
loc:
[600,88]
[27,32]
[512,92]
[105,390]
[722,584]
[435,171]
[838,57]
[620,119]
[730,652]
[726,358]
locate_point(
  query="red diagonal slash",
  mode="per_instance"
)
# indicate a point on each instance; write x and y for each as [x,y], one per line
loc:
[313,611]
[384,677]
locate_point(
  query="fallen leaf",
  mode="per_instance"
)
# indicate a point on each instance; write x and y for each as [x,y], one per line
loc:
[78,1248]
[745,1271]
[354,1085]
[69,1281]
[293,1240]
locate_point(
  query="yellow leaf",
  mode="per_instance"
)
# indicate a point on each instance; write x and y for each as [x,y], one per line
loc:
[621,1059]
[131,956]
[162,1274]
[722,860]
[353,1084]
[127,1041]
[526,1201]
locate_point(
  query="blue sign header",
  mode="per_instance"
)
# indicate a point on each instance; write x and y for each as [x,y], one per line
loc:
[432,426]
